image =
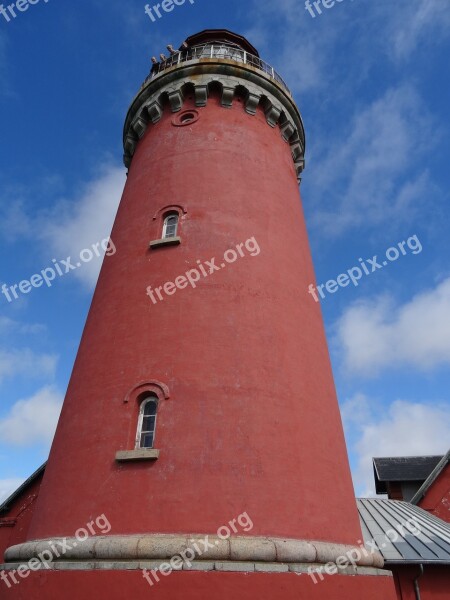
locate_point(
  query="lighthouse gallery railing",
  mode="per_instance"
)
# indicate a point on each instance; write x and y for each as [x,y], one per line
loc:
[216,51]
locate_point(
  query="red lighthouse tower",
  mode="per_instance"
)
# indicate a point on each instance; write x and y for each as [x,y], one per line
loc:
[201,422]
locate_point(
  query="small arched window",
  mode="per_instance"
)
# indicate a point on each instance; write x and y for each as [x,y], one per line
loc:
[147,422]
[170,226]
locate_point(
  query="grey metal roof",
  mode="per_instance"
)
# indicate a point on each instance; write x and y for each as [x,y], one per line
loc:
[402,468]
[431,479]
[385,522]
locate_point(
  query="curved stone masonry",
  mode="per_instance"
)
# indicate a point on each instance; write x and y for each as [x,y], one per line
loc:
[165,546]
[233,78]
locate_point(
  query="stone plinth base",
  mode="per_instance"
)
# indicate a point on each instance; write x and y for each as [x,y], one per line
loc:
[180,566]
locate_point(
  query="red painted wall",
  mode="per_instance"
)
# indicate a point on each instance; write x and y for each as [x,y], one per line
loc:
[433,585]
[20,512]
[252,423]
[437,499]
[114,585]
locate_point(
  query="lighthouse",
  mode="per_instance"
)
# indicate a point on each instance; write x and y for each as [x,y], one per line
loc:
[200,450]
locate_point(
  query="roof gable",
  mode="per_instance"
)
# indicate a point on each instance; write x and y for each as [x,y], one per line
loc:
[402,468]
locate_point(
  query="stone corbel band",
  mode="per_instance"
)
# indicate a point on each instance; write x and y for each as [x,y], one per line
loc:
[249,554]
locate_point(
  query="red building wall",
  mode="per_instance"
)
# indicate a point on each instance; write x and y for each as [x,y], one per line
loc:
[14,523]
[120,585]
[434,584]
[437,499]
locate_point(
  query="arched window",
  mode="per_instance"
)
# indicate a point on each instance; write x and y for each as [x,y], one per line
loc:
[147,422]
[170,226]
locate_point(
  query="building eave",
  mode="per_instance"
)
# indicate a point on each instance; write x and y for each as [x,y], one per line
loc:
[4,507]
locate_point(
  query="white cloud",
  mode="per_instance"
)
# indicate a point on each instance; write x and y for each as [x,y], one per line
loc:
[14,222]
[365,175]
[32,420]
[359,168]
[301,55]
[404,429]
[308,51]
[375,334]
[8,325]
[356,410]
[26,362]
[64,227]
[77,226]
[8,486]
[415,24]
[17,221]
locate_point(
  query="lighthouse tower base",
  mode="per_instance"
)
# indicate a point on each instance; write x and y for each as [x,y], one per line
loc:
[171,567]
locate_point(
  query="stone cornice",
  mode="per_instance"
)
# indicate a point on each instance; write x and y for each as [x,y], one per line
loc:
[165,546]
[233,78]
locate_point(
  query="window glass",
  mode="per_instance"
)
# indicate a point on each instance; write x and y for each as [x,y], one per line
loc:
[170,226]
[147,423]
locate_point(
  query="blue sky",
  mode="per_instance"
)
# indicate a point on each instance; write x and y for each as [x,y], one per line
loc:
[372,81]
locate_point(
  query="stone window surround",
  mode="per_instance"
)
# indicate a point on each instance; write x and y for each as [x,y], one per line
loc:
[134,398]
[160,217]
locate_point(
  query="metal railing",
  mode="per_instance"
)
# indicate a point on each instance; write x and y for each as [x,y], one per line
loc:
[222,51]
